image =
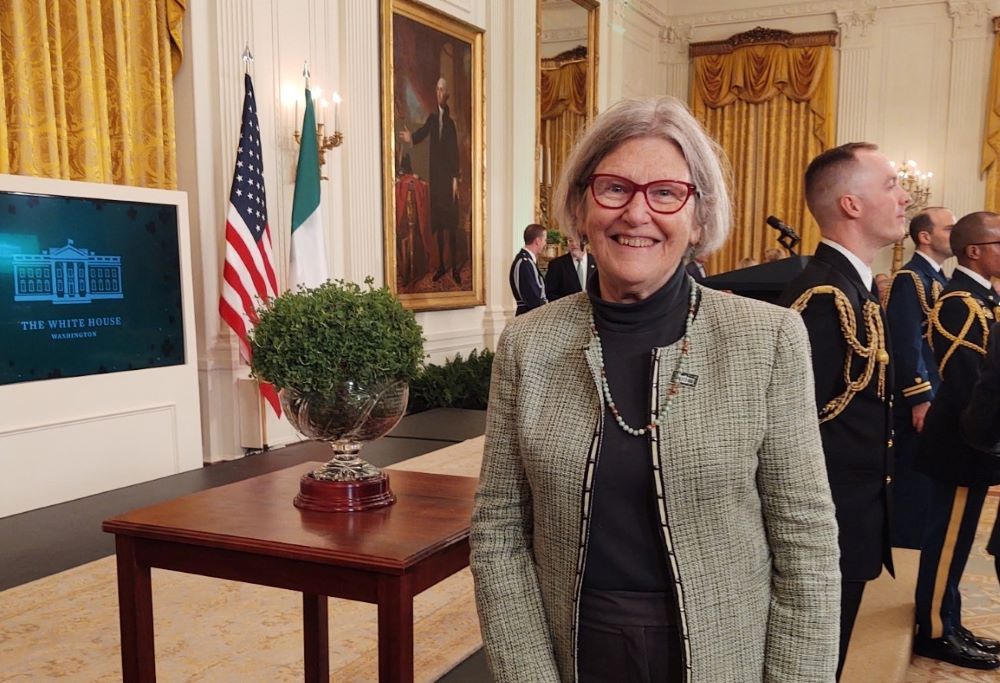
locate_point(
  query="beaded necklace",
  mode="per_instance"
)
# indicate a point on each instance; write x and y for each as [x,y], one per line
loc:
[661,417]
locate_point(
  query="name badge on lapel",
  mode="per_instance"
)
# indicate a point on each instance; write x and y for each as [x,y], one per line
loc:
[685,379]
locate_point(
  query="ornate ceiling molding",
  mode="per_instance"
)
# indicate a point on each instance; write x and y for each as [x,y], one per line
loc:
[777,11]
[643,8]
[855,23]
[674,40]
[969,18]
[560,35]
[762,36]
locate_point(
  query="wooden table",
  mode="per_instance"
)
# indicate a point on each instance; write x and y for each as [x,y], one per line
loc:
[250,531]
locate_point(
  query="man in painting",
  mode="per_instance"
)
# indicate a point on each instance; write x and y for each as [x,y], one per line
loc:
[439,129]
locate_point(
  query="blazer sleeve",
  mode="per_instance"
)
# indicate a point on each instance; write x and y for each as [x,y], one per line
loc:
[511,615]
[904,316]
[804,618]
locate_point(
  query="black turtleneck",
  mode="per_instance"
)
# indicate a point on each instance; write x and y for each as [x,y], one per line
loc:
[625,551]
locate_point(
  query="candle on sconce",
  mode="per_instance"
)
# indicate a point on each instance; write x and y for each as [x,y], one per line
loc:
[322,106]
[336,111]
[296,113]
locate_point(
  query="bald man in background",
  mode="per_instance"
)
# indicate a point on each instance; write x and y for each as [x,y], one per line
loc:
[960,473]
[852,192]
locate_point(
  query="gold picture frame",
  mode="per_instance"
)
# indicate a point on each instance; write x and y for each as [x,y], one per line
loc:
[433,168]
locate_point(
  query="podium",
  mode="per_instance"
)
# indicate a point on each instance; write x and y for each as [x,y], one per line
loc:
[764,282]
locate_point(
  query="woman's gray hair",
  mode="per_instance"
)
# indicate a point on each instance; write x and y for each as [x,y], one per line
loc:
[659,117]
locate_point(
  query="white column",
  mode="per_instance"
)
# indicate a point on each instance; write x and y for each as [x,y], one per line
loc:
[674,42]
[971,42]
[854,97]
[611,48]
[362,149]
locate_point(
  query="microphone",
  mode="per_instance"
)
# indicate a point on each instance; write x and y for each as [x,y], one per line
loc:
[782,227]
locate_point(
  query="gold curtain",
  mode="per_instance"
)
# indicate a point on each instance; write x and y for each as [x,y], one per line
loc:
[563,106]
[991,137]
[771,109]
[86,89]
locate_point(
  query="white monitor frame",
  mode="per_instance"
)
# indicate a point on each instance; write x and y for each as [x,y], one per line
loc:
[66,438]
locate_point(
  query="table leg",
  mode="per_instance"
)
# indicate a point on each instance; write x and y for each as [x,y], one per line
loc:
[395,629]
[135,613]
[316,638]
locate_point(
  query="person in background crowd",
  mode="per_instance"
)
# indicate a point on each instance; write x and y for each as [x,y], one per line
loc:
[960,474]
[696,267]
[981,422]
[568,274]
[852,193]
[772,254]
[746,262]
[525,280]
[908,299]
[652,504]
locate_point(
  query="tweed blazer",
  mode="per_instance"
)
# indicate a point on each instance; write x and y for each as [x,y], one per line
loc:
[747,518]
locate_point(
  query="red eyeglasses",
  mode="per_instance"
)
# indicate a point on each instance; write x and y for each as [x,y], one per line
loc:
[662,196]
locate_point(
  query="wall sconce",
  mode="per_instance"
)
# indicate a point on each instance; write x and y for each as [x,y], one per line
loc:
[917,184]
[324,142]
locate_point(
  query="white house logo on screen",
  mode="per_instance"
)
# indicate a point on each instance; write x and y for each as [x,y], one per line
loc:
[67,275]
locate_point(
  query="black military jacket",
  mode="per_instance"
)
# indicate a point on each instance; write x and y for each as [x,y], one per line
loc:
[960,324]
[913,293]
[857,441]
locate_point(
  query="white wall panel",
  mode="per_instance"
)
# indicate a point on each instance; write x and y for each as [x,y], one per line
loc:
[90,454]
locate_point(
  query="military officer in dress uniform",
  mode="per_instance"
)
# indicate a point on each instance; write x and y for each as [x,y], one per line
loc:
[961,474]
[981,422]
[852,192]
[908,300]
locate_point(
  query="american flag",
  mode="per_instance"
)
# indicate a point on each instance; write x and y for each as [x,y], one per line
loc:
[248,279]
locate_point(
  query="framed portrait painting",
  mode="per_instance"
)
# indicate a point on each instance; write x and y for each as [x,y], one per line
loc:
[433,172]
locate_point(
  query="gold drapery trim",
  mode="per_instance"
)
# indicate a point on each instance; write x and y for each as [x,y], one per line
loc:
[991,136]
[86,89]
[563,108]
[771,109]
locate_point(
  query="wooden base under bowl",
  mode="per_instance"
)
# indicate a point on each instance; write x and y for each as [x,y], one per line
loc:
[344,496]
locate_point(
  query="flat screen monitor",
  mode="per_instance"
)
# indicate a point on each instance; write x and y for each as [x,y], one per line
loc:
[87,286]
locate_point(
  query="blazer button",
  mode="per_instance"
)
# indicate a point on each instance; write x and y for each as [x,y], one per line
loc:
[889,444]
[888,479]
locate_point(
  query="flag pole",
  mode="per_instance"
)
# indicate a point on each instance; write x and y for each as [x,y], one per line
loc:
[247,58]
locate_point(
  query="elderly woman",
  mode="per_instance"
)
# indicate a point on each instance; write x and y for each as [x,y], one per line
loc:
[653,503]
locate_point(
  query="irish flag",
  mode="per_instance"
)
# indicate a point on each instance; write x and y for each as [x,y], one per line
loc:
[308,244]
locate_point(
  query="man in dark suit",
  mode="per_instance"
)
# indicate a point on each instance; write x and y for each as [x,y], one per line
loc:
[910,297]
[852,192]
[525,280]
[439,129]
[696,268]
[961,474]
[568,274]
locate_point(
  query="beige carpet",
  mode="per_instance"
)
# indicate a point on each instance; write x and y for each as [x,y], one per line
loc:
[65,626]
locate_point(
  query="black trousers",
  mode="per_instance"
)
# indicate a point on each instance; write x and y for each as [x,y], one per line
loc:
[627,637]
[951,527]
[851,593]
